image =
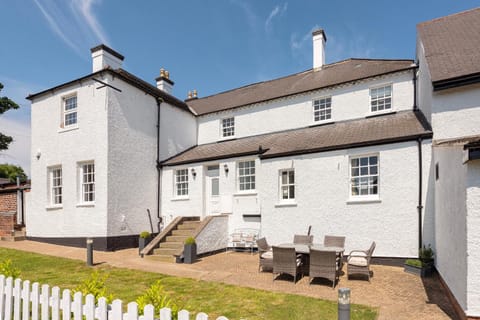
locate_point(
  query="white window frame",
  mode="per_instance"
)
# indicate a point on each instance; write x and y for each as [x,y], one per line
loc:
[86,182]
[288,185]
[55,183]
[324,104]
[249,182]
[381,99]
[227,130]
[68,112]
[368,177]
[181,185]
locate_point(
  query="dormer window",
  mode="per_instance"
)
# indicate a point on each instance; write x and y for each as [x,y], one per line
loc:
[322,109]
[228,127]
[69,111]
[381,98]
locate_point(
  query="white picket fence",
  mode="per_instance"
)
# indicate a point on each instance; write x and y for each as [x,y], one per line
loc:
[20,301]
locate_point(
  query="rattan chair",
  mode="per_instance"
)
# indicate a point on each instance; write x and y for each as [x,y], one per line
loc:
[334,241]
[358,262]
[323,264]
[285,261]
[265,255]
[302,239]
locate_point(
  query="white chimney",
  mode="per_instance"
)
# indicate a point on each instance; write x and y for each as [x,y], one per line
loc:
[163,82]
[319,40]
[103,57]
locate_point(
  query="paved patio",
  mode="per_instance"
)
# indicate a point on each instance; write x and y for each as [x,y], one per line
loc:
[397,294]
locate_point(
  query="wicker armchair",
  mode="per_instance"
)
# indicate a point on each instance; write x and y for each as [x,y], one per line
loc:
[302,239]
[323,264]
[265,255]
[334,241]
[358,261]
[285,261]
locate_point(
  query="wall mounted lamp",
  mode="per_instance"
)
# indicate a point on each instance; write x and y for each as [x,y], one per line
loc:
[194,173]
[225,167]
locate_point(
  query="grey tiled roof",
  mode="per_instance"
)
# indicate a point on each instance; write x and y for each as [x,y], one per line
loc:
[452,45]
[329,75]
[390,128]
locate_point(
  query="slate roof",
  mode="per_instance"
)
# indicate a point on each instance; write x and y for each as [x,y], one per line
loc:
[452,46]
[129,78]
[389,128]
[329,75]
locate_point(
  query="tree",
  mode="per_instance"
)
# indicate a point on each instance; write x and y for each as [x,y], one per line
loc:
[5,105]
[10,171]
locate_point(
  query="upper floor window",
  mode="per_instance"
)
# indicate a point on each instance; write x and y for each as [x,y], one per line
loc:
[287,185]
[228,127]
[246,175]
[322,109]
[181,182]
[69,111]
[364,176]
[55,176]
[87,182]
[381,98]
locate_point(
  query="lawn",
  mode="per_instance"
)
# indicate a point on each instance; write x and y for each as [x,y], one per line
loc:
[213,298]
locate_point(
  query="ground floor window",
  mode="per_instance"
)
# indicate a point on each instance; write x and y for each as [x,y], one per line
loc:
[87,182]
[246,175]
[364,176]
[55,176]
[181,182]
[287,185]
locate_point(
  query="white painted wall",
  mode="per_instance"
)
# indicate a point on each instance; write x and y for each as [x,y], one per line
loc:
[348,102]
[322,200]
[450,221]
[178,130]
[473,238]
[67,147]
[132,173]
[456,112]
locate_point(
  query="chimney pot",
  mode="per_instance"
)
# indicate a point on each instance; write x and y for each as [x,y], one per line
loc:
[163,81]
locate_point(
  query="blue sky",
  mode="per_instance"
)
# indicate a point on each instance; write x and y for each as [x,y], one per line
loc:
[207,45]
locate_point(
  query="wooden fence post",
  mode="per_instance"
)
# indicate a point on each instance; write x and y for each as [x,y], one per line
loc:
[183,315]
[66,304]
[77,306]
[8,299]
[35,297]
[17,299]
[26,300]
[44,301]
[55,303]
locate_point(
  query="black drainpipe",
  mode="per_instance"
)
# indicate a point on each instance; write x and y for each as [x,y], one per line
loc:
[159,173]
[420,206]
[415,108]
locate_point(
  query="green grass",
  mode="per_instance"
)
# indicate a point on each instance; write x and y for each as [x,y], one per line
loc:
[213,298]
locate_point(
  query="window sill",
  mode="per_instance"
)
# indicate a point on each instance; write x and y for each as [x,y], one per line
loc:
[85,205]
[364,200]
[373,114]
[70,128]
[322,122]
[242,194]
[285,204]
[180,199]
[54,207]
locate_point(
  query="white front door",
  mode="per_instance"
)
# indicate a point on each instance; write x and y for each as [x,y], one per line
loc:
[212,190]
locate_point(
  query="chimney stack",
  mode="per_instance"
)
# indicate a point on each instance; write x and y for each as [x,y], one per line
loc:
[103,57]
[163,81]
[319,40]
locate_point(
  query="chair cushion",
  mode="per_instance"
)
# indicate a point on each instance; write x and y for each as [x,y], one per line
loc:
[267,255]
[358,261]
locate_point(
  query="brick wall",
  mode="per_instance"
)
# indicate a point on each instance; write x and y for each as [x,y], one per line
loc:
[8,209]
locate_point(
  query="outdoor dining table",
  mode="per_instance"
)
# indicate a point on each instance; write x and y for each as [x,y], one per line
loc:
[304,250]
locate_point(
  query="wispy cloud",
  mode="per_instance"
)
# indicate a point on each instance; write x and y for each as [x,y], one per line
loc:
[252,19]
[277,11]
[74,22]
[339,47]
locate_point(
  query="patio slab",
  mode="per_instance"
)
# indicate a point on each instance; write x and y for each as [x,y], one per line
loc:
[397,295]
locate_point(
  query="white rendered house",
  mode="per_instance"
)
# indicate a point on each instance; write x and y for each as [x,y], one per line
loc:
[95,146]
[372,149]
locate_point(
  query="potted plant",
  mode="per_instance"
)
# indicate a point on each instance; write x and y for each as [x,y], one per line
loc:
[190,250]
[423,266]
[143,240]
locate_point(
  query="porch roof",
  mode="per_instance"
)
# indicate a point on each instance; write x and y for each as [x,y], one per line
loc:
[388,128]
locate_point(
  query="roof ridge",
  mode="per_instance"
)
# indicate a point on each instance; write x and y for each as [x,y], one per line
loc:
[447,17]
